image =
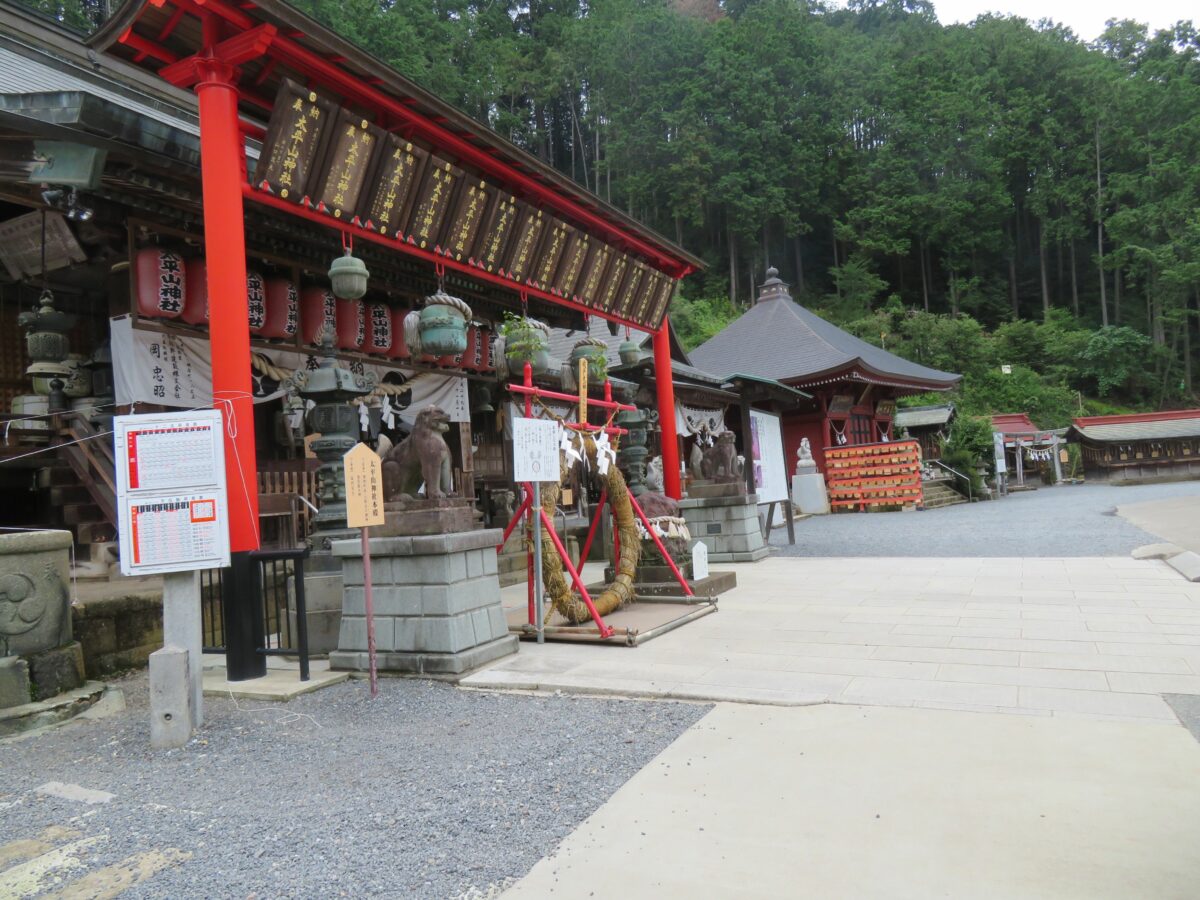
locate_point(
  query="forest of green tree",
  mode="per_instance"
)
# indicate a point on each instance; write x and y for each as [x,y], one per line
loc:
[967,195]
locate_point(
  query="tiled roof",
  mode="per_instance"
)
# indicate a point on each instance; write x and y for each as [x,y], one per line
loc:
[921,416]
[563,342]
[1014,423]
[1182,423]
[778,338]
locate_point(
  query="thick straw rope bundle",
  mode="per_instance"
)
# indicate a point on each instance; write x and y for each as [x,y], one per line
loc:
[620,592]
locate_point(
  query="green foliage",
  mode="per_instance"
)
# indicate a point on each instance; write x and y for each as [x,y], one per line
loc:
[1022,390]
[950,343]
[857,288]
[968,447]
[1116,357]
[697,320]
[523,341]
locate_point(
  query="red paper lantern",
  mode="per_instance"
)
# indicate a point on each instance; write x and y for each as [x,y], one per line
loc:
[161,283]
[195,311]
[399,348]
[256,302]
[318,309]
[380,333]
[351,324]
[477,357]
[283,309]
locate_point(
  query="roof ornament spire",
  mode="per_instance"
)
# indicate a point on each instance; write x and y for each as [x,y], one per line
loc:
[773,288]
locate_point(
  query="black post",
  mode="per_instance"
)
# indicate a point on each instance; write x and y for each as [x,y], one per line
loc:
[747,444]
[241,602]
[301,614]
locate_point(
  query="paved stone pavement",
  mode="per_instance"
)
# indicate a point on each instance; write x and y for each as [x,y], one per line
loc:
[851,802]
[1092,637]
[1068,520]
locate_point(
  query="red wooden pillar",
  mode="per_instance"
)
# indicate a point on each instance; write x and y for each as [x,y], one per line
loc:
[221,150]
[666,411]
[229,333]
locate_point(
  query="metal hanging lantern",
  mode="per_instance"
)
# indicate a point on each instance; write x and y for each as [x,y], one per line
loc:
[442,325]
[348,276]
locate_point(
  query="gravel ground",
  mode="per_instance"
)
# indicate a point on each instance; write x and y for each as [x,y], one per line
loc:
[427,791]
[1069,520]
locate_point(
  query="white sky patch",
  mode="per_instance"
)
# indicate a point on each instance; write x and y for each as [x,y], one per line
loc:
[1086,18]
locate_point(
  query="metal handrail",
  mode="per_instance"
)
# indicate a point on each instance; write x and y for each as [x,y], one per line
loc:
[966,478]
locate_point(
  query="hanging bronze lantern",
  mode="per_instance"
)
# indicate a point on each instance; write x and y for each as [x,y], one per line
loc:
[348,276]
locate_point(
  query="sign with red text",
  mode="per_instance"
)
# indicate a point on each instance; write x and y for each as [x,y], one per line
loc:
[171,501]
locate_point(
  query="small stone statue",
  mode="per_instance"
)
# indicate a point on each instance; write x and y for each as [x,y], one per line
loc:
[721,459]
[503,506]
[422,456]
[654,475]
[804,458]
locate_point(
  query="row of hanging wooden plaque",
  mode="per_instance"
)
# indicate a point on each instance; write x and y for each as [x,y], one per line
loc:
[327,157]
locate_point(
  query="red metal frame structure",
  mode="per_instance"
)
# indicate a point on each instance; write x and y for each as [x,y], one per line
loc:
[234,54]
[525,512]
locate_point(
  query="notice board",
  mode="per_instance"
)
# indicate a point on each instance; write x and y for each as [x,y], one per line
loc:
[171,502]
[766,442]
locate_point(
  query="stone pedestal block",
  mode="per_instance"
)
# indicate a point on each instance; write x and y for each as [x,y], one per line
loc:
[323,606]
[436,602]
[55,671]
[34,604]
[14,682]
[809,494]
[170,698]
[728,526]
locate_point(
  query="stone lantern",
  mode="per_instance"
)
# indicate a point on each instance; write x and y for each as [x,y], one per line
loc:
[330,387]
[47,344]
[631,458]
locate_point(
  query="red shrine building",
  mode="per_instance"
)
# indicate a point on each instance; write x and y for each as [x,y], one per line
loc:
[854,385]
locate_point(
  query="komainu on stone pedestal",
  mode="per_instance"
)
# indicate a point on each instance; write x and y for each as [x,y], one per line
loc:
[423,456]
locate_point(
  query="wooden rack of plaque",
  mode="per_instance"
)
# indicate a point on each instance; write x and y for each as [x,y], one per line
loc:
[866,476]
[327,158]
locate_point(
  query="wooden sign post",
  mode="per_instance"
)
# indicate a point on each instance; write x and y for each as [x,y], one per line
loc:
[364,508]
[583,391]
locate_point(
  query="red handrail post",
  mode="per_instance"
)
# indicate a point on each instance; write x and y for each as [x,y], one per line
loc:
[665,388]
[637,508]
[605,631]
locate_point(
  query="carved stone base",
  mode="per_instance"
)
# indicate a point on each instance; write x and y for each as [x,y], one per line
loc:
[405,518]
[729,526]
[436,602]
[725,486]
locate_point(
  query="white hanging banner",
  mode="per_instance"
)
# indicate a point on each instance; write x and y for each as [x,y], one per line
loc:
[174,370]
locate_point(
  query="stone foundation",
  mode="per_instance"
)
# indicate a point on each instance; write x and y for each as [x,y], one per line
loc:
[728,526]
[118,633]
[436,603]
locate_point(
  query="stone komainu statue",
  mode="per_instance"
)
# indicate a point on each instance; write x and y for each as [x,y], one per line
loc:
[423,456]
[721,460]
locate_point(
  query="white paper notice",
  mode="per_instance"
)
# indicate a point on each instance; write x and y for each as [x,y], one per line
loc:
[535,450]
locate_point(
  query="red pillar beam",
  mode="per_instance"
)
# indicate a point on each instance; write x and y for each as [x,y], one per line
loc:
[229,334]
[666,410]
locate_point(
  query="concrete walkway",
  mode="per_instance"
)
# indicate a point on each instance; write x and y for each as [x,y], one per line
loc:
[1176,519]
[1098,637]
[849,802]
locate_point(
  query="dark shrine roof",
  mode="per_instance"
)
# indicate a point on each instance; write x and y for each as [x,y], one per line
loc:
[779,339]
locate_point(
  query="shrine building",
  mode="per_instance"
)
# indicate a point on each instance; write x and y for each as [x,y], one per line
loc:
[853,385]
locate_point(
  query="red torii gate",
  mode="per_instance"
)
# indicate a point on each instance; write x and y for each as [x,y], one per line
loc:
[209,45]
